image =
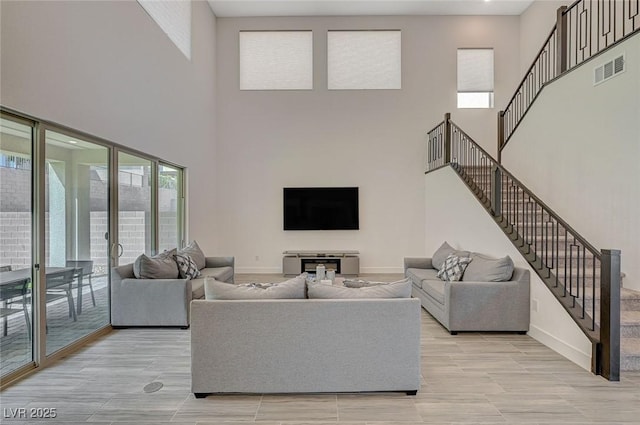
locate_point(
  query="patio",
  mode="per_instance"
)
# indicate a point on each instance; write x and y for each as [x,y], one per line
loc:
[62,330]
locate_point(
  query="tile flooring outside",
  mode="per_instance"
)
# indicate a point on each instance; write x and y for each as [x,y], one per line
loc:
[16,346]
[470,378]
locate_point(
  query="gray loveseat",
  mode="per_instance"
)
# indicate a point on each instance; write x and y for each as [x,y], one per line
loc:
[305,345]
[471,304]
[161,302]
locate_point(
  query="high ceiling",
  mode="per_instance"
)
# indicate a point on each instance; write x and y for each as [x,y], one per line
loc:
[243,8]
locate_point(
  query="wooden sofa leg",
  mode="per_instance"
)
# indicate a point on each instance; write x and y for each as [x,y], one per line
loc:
[414,392]
[200,395]
[453,332]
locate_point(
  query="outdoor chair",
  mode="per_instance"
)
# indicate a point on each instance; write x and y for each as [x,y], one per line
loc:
[59,285]
[85,269]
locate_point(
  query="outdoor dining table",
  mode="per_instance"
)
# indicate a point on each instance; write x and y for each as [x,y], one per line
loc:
[15,278]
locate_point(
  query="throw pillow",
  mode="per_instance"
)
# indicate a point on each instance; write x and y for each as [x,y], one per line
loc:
[289,289]
[453,268]
[161,266]
[186,266]
[487,269]
[399,289]
[194,251]
[441,254]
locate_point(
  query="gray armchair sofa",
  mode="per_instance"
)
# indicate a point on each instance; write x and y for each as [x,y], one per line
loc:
[471,305]
[161,302]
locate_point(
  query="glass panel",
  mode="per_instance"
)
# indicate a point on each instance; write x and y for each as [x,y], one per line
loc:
[134,207]
[169,211]
[475,100]
[15,245]
[76,243]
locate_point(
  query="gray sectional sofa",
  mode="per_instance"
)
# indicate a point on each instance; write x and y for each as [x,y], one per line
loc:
[305,345]
[474,303]
[161,302]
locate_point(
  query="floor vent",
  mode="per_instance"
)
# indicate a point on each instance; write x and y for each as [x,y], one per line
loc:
[608,70]
[152,387]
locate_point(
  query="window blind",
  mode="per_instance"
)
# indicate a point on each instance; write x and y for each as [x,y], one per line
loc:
[475,70]
[359,60]
[276,60]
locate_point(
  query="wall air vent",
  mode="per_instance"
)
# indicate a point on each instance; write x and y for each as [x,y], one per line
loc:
[608,70]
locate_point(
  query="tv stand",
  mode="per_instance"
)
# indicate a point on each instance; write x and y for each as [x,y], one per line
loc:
[346,263]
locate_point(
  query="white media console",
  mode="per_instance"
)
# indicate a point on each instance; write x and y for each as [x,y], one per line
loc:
[346,263]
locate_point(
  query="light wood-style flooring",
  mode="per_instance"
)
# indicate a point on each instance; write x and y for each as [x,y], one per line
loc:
[470,378]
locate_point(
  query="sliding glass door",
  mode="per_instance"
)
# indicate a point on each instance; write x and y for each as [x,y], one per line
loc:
[76,238]
[16,218]
[65,197]
[135,218]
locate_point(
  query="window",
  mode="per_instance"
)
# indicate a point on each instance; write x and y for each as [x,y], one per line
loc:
[358,60]
[276,60]
[475,78]
[174,18]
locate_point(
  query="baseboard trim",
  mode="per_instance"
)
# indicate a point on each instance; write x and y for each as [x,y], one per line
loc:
[259,270]
[566,350]
[390,270]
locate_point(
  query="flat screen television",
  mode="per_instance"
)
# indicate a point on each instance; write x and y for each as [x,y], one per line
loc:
[321,208]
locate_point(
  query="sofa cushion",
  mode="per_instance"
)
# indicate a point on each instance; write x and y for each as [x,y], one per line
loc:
[418,275]
[194,251]
[488,269]
[453,268]
[197,288]
[161,266]
[441,254]
[434,288]
[399,289]
[186,266]
[289,289]
[222,274]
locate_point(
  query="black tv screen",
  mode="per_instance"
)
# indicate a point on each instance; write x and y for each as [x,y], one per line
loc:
[321,208]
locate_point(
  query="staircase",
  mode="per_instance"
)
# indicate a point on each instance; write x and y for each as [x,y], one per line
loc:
[585,280]
[586,295]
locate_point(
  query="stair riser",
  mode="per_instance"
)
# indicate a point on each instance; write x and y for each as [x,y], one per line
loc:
[629,363]
[625,305]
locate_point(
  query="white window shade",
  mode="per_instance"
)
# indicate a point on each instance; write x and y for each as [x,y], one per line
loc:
[174,18]
[276,60]
[358,60]
[475,70]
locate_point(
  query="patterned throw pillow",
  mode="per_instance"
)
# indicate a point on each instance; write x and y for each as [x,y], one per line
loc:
[453,268]
[187,267]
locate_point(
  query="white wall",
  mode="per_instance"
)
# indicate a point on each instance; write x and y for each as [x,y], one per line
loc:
[535,26]
[453,214]
[106,68]
[372,139]
[578,149]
